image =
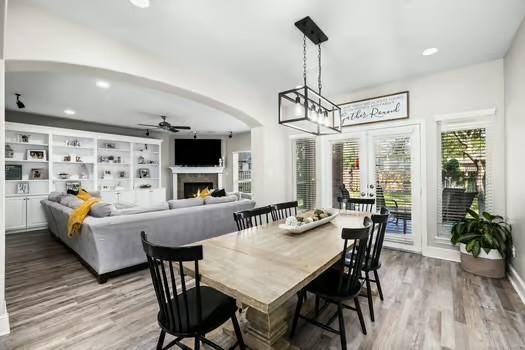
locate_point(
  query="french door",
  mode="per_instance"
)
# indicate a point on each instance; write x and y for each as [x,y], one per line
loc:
[383,164]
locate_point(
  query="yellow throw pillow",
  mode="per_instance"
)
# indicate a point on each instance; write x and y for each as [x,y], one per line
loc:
[205,193]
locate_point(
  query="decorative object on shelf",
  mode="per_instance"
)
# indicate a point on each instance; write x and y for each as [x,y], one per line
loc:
[78,159]
[303,108]
[72,143]
[36,154]
[73,186]
[63,176]
[109,145]
[485,243]
[143,186]
[23,138]
[22,188]
[9,153]
[221,162]
[376,109]
[119,159]
[151,162]
[165,126]
[67,158]
[13,172]
[143,173]
[140,160]
[110,159]
[107,175]
[122,174]
[36,174]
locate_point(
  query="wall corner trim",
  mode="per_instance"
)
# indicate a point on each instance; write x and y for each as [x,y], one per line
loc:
[4,319]
[517,282]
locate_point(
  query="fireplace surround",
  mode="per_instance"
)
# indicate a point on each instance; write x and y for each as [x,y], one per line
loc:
[192,175]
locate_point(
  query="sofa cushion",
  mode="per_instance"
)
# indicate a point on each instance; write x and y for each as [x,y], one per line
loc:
[237,194]
[56,196]
[185,203]
[139,210]
[71,201]
[102,209]
[217,200]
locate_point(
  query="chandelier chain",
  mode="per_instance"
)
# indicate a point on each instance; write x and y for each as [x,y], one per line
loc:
[319,84]
[304,59]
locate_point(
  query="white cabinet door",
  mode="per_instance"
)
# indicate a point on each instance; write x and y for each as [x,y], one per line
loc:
[109,197]
[157,196]
[35,212]
[143,198]
[127,197]
[15,213]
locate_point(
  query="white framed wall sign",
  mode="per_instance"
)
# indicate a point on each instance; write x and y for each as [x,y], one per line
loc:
[376,109]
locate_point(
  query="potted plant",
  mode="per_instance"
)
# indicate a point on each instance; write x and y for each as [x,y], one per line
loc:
[485,243]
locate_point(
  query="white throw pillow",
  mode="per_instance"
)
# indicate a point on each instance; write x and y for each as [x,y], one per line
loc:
[185,203]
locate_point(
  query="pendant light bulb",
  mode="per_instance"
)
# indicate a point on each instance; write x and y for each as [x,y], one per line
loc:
[314,114]
[298,107]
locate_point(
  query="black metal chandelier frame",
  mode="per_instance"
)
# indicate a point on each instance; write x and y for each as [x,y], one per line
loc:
[320,114]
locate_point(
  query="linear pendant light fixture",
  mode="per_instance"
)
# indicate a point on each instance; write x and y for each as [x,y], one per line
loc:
[303,108]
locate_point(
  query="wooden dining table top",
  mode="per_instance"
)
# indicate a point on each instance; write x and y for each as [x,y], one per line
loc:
[263,267]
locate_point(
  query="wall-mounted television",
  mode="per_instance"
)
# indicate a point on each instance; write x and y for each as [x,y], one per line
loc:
[197,152]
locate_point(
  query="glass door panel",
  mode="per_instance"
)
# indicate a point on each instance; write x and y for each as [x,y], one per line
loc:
[346,170]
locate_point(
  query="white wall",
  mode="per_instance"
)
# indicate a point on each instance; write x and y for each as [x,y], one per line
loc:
[239,142]
[4,319]
[514,143]
[470,88]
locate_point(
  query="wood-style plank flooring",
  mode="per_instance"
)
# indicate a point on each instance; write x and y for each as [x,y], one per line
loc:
[55,303]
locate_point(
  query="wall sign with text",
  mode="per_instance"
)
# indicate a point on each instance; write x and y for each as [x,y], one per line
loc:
[376,109]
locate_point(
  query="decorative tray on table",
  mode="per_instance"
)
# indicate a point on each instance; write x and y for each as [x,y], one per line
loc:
[310,220]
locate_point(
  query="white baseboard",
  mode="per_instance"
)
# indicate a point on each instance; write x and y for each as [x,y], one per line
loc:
[442,253]
[517,283]
[4,319]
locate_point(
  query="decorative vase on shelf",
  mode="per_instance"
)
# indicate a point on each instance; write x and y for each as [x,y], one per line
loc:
[221,162]
[9,153]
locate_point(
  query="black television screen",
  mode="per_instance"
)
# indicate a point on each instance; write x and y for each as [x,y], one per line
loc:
[197,152]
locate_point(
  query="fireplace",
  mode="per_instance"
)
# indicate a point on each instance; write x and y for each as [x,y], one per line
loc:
[212,176]
[191,188]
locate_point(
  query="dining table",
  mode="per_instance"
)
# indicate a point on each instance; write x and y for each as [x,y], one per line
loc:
[264,267]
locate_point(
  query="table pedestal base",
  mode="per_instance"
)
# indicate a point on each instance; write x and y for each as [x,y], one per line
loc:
[267,331]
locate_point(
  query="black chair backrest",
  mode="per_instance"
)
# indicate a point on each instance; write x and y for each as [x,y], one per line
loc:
[349,279]
[175,311]
[281,211]
[252,217]
[377,237]
[365,205]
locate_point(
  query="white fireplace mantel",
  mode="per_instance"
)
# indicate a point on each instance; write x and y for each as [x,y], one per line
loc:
[196,170]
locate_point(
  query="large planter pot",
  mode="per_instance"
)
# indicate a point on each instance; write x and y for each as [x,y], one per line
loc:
[490,265]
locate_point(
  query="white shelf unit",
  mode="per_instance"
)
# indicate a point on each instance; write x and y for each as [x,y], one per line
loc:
[242,172]
[59,143]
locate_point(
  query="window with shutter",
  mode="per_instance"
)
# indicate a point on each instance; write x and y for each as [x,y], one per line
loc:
[345,171]
[464,183]
[305,173]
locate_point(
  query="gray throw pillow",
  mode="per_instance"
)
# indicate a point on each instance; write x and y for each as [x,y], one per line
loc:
[217,200]
[185,203]
[101,209]
[71,201]
[237,194]
[56,196]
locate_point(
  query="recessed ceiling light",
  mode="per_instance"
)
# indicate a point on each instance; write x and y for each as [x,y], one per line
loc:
[69,111]
[430,51]
[103,84]
[140,3]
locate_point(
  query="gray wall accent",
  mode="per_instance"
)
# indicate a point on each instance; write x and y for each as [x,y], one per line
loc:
[514,127]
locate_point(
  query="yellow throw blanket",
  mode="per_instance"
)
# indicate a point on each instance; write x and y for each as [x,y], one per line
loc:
[76,218]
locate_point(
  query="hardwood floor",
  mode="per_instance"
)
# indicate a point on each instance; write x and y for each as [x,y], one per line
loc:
[54,303]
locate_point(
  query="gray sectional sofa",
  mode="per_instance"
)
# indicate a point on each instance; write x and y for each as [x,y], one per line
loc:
[111,245]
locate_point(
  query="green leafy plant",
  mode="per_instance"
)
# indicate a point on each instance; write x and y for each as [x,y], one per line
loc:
[485,231]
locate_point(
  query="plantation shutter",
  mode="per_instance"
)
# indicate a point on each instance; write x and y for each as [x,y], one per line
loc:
[345,170]
[464,175]
[305,173]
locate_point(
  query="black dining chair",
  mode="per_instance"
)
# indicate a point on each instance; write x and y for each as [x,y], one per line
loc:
[186,312]
[252,217]
[339,285]
[373,253]
[281,211]
[365,205]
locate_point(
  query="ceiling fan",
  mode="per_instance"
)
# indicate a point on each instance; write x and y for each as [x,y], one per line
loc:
[165,126]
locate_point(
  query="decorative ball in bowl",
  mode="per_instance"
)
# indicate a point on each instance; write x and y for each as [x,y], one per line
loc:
[309,220]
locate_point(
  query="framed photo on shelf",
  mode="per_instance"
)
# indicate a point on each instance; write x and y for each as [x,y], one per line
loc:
[36,154]
[36,174]
[73,186]
[23,138]
[22,188]
[109,145]
[143,173]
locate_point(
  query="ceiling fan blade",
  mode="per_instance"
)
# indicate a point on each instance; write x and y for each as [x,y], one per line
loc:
[173,129]
[149,125]
[181,127]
